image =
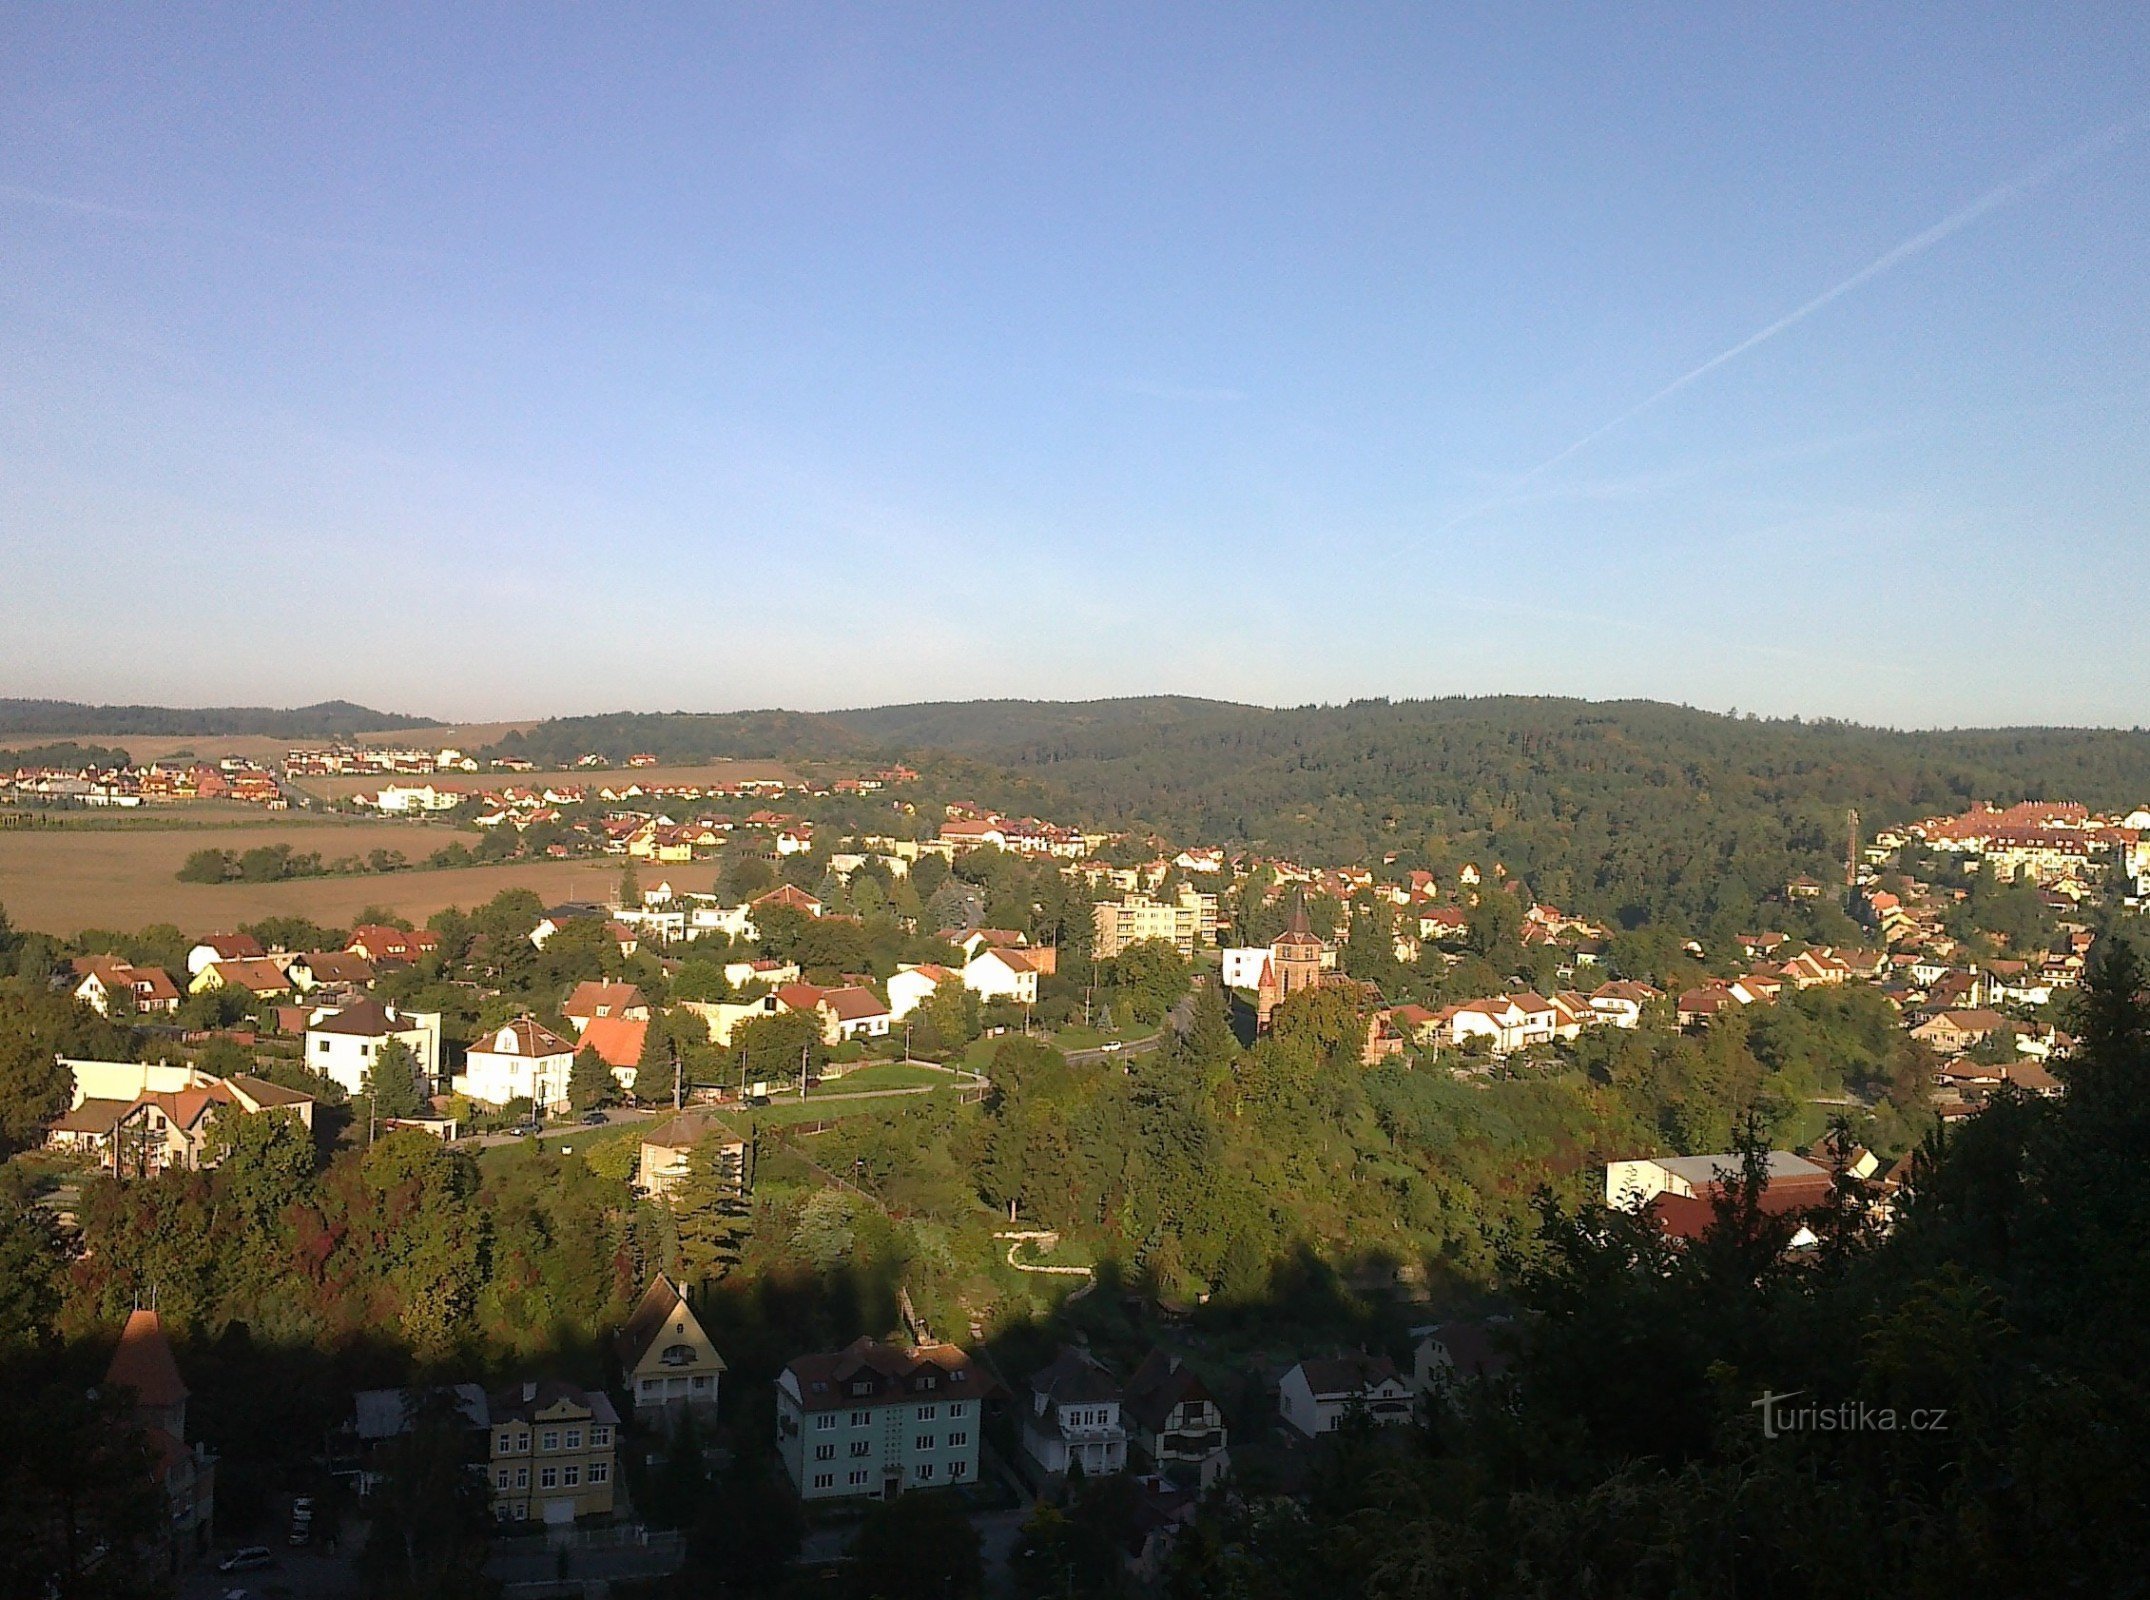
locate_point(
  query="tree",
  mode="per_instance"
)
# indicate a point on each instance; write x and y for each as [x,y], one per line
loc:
[590,1082]
[34,1086]
[1152,975]
[745,1535]
[430,1512]
[710,1209]
[630,884]
[918,1546]
[391,1083]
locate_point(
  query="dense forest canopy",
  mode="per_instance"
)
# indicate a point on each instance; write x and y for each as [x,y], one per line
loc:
[1631,810]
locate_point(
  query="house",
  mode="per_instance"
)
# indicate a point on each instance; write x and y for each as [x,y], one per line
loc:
[137,1118]
[342,1041]
[770,974]
[524,1060]
[789,897]
[913,985]
[853,1013]
[1953,1031]
[618,1042]
[1074,1417]
[392,947]
[1174,1422]
[1621,1002]
[999,973]
[144,1371]
[1447,1354]
[1632,1184]
[223,947]
[871,1420]
[552,1453]
[666,1359]
[1318,1394]
[667,1151]
[380,1416]
[259,976]
[106,980]
[593,1000]
[341,969]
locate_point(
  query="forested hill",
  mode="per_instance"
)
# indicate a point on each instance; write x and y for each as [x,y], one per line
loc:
[329,719]
[1611,807]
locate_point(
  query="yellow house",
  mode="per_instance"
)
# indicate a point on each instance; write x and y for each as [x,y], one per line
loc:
[552,1452]
[667,1359]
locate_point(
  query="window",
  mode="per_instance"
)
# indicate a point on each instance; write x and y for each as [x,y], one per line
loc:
[551,1440]
[574,1438]
[926,1413]
[824,1452]
[701,1382]
[825,1422]
[957,1441]
[862,1447]
[678,1355]
[504,1438]
[858,1476]
[548,1477]
[923,1442]
[651,1385]
[863,1386]
[600,1436]
[500,1478]
[600,1472]
[522,1477]
[522,1443]
[929,1381]
[925,1471]
[955,1408]
[859,1419]
[321,1049]
[570,1477]
[824,1480]
[958,1469]
[522,1511]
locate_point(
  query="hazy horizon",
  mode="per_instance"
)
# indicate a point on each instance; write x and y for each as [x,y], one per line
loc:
[479,360]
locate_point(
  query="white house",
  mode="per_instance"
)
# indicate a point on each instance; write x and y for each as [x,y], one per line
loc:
[1631,1185]
[1074,1417]
[341,1041]
[405,798]
[996,973]
[524,1060]
[912,986]
[1243,967]
[1316,1396]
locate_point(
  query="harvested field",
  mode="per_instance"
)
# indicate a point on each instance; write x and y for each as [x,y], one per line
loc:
[62,880]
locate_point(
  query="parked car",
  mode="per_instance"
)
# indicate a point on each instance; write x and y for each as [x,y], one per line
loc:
[253,1556]
[594,1119]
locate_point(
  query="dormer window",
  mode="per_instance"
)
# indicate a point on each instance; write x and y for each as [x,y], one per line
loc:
[678,1355]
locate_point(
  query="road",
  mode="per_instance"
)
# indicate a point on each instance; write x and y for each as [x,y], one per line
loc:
[1109,1052]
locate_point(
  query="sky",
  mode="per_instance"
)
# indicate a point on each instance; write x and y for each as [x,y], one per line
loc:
[502,361]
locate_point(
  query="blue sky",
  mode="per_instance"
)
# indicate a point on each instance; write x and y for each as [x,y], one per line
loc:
[499,361]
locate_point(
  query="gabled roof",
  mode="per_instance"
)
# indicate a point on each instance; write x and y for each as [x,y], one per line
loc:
[525,1036]
[1160,1384]
[602,999]
[365,1019]
[1346,1374]
[689,1129]
[822,1379]
[617,1040]
[1073,1378]
[256,975]
[143,1363]
[663,1306]
[854,1004]
[232,946]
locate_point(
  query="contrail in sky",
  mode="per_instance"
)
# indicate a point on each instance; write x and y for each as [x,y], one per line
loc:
[1918,244]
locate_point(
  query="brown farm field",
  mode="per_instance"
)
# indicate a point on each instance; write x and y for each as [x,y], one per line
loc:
[61,880]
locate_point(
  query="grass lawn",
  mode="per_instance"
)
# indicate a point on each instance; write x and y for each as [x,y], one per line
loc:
[786,1109]
[888,1075]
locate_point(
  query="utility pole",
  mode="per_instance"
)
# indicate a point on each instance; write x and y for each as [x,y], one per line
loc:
[678,1086]
[1851,849]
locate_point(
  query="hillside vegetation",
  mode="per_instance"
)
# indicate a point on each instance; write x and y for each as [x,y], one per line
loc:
[329,719]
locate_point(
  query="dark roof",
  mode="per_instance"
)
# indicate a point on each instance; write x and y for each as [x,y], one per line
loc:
[1073,1378]
[824,1380]
[1347,1374]
[367,1018]
[1161,1383]
[662,1303]
[523,1402]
